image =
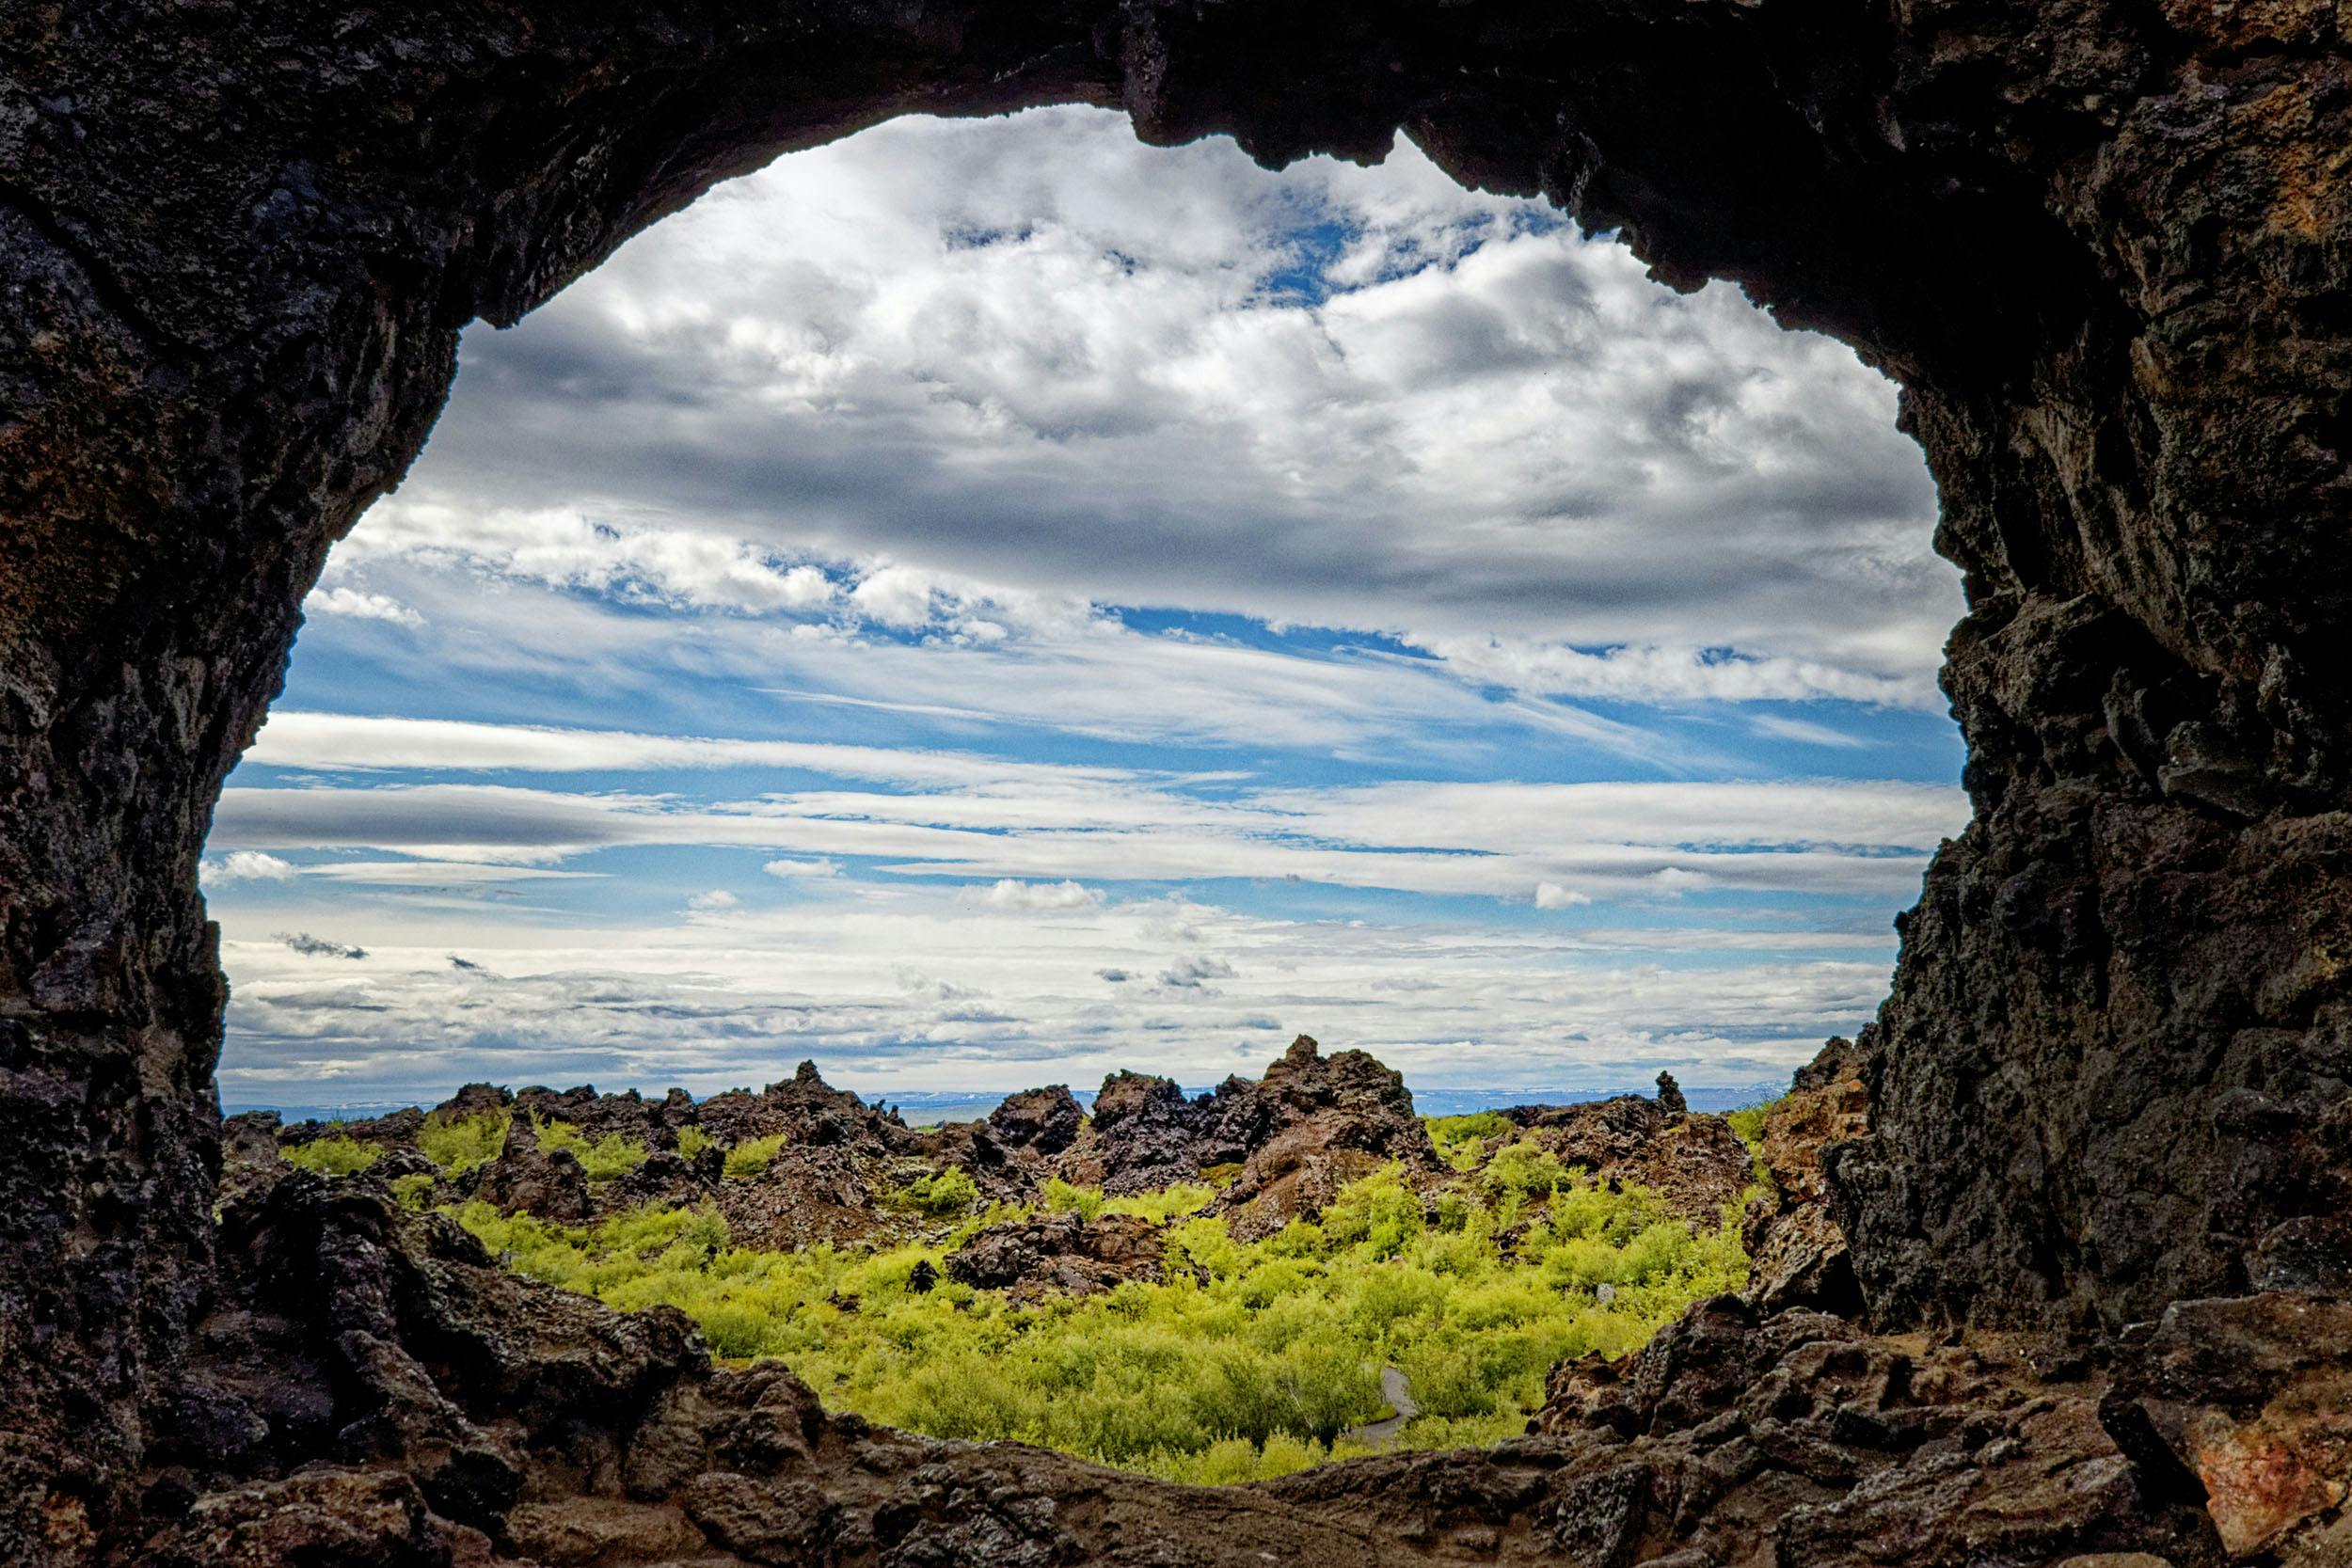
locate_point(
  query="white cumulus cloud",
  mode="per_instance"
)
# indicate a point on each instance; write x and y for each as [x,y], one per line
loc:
[247,865]
[1039,897]
[361,606]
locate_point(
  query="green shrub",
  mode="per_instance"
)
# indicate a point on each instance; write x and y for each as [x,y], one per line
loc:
[1524,1170]
[941,1195]
[1248,1361]
[338,1155]
[692,1141]
[457,1144]
[1062,1197]
[1461,1140]
[1748,1121]
[1449,1380]
[753,1156]
[1167,1203]
[410,1192]
[1182,1198]
[607,1159]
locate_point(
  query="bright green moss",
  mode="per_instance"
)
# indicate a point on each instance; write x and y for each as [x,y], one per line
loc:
[1247,1361]
[1461,1140]
[1185,1198]
[412,1191]
[1524,1172]
[941,1195]
[457,1144]
[1748,1122]
[754,1156]
[337,1155]
[606,1158]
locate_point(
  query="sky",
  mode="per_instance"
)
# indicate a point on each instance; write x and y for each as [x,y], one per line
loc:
[988,603]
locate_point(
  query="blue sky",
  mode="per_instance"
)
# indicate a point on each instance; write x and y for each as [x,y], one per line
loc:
[986,603]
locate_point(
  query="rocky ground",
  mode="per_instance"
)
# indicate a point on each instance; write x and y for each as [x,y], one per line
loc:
[370,1388]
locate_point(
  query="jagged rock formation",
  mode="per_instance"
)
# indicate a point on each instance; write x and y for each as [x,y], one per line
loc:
[1695,1162]
[1046,1120]
[1797,1253]
[1802,1439]
[374,1391]
[1291,1139]
[2102,246]
[1311,1125]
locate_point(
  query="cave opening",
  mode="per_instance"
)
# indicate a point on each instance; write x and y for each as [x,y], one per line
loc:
[917,516]
[990,604]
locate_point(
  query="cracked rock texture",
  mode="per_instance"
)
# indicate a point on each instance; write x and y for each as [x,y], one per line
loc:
[2103,247]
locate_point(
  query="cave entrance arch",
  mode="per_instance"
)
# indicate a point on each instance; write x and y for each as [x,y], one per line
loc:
[677,393]
[2102,249]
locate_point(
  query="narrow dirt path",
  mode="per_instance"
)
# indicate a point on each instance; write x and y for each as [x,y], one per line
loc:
[1399,1393]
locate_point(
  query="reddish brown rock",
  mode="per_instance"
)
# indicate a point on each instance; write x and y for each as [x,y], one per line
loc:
[364,1519]
[2254,1396]
[1310,1125]
[1315,1123]
[1144,1134]
[1796,1249]
[808,1195]
[548,1183]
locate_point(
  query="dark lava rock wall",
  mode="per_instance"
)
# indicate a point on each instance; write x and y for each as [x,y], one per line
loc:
[2101,244]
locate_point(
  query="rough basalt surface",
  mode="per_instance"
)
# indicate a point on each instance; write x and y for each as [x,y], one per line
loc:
[1310,1126]
[1797,1253]
[1290,1139]
[1046,1120]
[1694,1162]
[2103,247]
[1059,1254]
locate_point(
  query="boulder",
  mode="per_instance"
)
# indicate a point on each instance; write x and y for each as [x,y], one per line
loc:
[1058,1254]
[1044,1120]
[528,1179]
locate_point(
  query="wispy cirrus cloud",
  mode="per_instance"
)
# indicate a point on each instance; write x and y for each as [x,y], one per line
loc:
[1490,838]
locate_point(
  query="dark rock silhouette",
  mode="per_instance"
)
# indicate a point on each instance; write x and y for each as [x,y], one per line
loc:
[1670,1094]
